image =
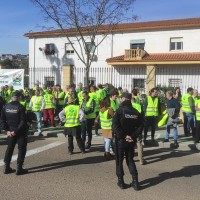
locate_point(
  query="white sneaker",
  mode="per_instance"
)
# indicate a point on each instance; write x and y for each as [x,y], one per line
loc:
[39,131]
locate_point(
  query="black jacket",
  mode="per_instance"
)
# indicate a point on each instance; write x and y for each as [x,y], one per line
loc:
[13,118]
[127,121]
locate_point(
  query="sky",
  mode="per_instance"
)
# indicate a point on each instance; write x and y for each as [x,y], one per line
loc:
[21,16]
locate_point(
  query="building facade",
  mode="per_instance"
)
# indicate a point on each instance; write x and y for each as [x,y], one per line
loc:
[139,54]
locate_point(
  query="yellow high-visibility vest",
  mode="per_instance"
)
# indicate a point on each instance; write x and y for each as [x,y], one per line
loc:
[185,103]
[48,101]
[152,107]
[36,103]
[72,116]
[137,107]
[105,122]
[198,112]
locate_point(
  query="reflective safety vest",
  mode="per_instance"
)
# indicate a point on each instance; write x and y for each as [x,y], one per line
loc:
[96,98]
[137,107]
[48,101]
[137,99]
[152,107]
[185,103]
[198,112]
[80,97]
[62,96]
[114,104]
[87,107]
[102,93]
[105,122]
[72,116]
[23,103]
[36,103]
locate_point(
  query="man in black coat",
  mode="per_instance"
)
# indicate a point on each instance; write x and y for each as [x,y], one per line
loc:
[13,120]
[127,126]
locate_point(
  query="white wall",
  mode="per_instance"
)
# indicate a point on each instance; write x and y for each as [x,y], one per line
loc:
[155,42]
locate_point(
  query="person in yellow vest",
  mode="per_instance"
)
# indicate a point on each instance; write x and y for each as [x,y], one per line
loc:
[114,103]
[196,98]
[197,133]
[135,95]
[44,90]
[152,110]
[188,109]
[138,107]
[71,94]
[72,116]
[88,107]
[48,108]
[96,96]
[36,105]
[59,98]
[10,92]
[105,117]
[101,91]
[79,88]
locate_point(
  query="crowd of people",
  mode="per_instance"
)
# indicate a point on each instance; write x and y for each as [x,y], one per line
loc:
[121,116]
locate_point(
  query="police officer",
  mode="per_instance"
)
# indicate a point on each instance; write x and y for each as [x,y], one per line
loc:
[127,126]
[13,120]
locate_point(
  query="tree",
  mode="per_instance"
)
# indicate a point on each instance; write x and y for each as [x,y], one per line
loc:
[84,20]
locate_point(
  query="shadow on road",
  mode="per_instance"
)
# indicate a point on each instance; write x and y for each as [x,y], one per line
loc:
[187,171]
[170,154]
[52,166]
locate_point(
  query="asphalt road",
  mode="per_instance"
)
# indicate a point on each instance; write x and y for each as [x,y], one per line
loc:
[53,174]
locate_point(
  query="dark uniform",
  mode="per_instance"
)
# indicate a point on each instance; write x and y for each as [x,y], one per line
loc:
[127,121]
[13,120]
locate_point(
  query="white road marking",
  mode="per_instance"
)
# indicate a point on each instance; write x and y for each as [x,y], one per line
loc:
[35,151]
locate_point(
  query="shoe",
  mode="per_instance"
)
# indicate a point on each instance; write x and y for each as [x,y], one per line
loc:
[83,151]
[40,135]
[121,183]
[135,183]
[176,144]
[88,146]
[152,140]
[107,156]
[54,125]
[70,152]
[7,169]
[166,140]
[20,170]
[143,162]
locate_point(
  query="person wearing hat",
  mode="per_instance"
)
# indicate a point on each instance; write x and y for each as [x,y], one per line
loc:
[72,116]
[13,120]
[127,126]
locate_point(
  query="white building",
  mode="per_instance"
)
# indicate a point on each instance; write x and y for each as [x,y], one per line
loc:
[165,53]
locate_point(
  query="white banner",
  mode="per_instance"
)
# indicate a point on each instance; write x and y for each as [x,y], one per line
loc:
[14,77]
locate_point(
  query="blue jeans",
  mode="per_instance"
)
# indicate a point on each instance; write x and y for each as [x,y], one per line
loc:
[107,144]
[168,132]
[39,119]
[189,123]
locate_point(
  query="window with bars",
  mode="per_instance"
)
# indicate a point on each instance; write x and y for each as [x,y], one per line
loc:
[139,84]
[49,81]
[175,82]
